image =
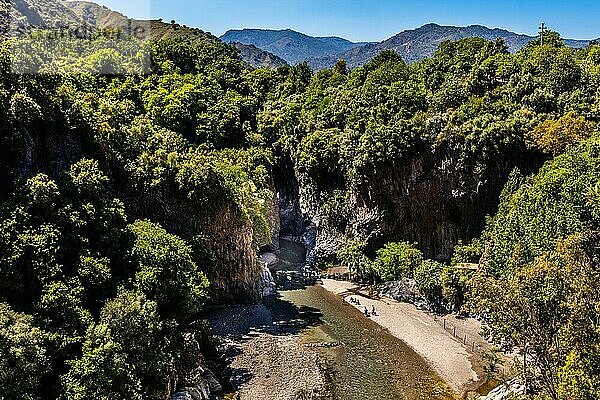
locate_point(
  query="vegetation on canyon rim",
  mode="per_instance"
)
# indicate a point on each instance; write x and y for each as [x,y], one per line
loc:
[98,284]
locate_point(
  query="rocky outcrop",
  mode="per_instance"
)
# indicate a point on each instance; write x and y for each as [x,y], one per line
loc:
[404,291]
[191,378]
[223,239]
[293,222]
[269,287]
[204,389]
[236,275]
[424,200]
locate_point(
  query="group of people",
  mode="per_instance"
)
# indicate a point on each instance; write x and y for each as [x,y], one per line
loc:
[356,302]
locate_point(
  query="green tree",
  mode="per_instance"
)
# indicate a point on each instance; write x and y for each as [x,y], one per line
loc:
[428,277]
[396,261]
[352,256]
[555,136]
[166,272]
[123,355]
[24,356]
[547,310]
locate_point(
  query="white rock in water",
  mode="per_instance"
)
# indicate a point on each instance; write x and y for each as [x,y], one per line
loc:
[182,395]
[509,391]
[269,259]
[268,283]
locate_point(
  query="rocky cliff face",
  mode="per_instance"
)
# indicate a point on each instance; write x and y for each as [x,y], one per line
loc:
[237,276]
[422,200]
[293,221]
[223,238]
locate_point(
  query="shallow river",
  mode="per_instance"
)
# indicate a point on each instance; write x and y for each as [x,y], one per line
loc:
[367,362]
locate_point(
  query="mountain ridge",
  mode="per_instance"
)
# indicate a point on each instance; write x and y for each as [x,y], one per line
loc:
[412,44]
[291,45]
[258,58]
[24,16]
[259,47]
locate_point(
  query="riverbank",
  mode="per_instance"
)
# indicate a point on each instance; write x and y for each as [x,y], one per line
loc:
[460,368]
[307,344]
[265,360]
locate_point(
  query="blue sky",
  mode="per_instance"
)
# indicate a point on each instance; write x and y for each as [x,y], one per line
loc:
[375,20]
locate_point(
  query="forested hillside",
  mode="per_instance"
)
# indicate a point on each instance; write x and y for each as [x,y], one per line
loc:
[422,152]
[121,195]
[258,58]
[130,200]
[477,117]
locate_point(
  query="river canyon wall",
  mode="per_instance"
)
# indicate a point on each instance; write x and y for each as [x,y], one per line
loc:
[425,199]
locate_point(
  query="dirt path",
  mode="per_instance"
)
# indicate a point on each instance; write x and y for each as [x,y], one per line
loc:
[448,357]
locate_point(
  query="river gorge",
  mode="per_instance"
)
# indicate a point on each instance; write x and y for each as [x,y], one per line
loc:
[306,342]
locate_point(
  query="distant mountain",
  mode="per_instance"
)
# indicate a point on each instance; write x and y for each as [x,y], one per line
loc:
[18,16]
[258,47]
[21,16]
[258,58]
[292,46]
[103,17]
[417,44]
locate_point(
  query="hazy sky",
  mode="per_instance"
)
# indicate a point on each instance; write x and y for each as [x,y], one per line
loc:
[362,20]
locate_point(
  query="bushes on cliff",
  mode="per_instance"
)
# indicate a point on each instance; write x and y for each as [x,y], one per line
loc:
[166,272]
[352,256]
[66,249]
[539,287]
[559,201]
[394,261]
[555,136]
[104,290]
[428,277]
[440,284]
[124,355]
[547,309]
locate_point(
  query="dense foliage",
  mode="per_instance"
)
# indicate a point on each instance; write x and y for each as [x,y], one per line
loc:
[539,291]
[459,122]
[114,183]
[97,284]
